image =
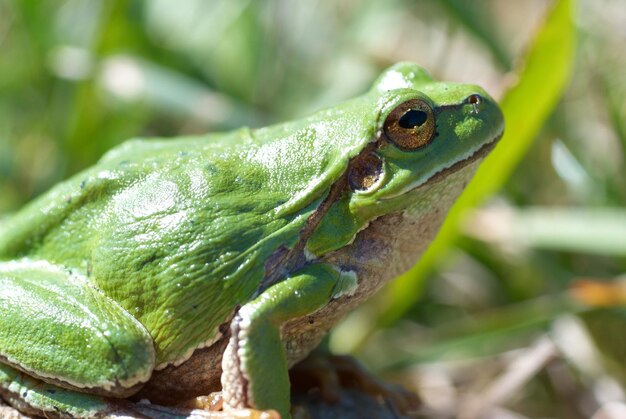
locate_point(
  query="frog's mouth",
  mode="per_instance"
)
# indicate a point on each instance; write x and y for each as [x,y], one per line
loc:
[479,154]
[435,177]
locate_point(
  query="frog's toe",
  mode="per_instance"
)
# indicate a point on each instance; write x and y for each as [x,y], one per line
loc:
[215,403]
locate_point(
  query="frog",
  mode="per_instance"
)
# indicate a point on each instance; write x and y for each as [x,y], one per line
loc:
[176,267]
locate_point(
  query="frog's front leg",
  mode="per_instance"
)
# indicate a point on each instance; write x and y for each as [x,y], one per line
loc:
[254,363]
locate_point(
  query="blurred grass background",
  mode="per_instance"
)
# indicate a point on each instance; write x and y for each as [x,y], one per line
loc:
[519,312]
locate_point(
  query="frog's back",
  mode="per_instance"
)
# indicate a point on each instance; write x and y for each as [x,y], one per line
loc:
[177,231]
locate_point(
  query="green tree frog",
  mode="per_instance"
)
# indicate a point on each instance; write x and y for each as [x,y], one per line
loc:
[176,267]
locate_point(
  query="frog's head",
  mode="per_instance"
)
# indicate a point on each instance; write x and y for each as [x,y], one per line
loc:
[425,131]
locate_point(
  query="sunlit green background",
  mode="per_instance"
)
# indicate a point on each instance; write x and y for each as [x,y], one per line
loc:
[487,325]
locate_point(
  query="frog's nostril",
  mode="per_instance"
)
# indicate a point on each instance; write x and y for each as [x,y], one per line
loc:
[474,99]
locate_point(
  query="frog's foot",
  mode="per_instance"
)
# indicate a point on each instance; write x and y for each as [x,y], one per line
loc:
[215,403]
[330,374]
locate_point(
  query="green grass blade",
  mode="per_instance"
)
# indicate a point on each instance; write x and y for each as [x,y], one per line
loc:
[600,231]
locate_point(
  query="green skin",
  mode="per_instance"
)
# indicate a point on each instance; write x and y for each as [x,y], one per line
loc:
[133,264]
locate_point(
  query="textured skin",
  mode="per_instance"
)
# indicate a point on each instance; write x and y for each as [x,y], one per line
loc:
[384,250]
[117,343]
[179,233]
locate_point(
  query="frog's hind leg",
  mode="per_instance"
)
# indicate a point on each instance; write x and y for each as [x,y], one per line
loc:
[57,327]
[36,398]
[33,397]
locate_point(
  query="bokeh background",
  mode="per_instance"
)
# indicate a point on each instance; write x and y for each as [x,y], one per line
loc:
[517,310]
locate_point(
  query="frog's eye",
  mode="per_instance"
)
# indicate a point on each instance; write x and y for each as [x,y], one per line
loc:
[410,125]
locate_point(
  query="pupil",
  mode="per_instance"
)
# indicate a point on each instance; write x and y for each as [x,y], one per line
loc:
[413,118]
